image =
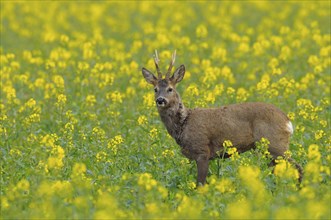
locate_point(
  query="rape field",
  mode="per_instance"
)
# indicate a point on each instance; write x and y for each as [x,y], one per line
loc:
[80,133]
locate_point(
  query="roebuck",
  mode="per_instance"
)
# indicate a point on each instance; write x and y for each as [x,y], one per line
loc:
[201,132]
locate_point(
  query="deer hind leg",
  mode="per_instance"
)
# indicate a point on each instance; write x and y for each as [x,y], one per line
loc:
[298,167]
[279,140]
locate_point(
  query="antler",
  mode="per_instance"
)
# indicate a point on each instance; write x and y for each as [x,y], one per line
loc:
[172,62]
[156,61]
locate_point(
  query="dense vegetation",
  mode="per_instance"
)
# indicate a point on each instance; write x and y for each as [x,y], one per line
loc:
[80,136]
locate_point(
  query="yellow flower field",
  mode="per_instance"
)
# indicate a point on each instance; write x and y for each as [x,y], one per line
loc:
[80,136]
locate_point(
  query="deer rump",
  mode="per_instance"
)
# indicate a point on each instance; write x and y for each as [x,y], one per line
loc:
[243,124]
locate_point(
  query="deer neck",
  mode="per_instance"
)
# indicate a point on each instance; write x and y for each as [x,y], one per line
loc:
[174,119]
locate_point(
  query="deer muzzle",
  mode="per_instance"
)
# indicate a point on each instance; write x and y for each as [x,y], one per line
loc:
[161,101]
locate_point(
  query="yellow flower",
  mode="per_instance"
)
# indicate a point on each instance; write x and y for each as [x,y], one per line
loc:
[62,188]
[115,96]
[15,152]
[184,161]
[201,31]
[226,73]
[45,189]
[276,71]
[31,119]
[54,162]
[232,151]
[81,202]
[319,134]
[101,156]
[49,140]
[189,208]
[287,213]
[90,100]
[230,91]
[152,208]
[318,69]
[192,90]
[191,185]
[291,116]
[99,133]
[203,189]
[242,95]
[146,181]
[69,127]
[313,60]
[114,142]
[250,177]
[142,120]
[239,210]
[4,202]
[148,100]
[313,152]
[118,139]
[153,133]
[79,169]
[285,53]
[210,97]
[243,47]
[31,103]
[219,53]
[224,185]
[23,185]
[284,170]
[324,123]
[227,143]
[88,50]
[42,166]
[61,99]
[104,203]
[163,191]
[58,81]
[264,141]
[273,63]
[168,153]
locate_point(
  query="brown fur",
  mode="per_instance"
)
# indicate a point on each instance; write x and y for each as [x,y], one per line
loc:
[201,132]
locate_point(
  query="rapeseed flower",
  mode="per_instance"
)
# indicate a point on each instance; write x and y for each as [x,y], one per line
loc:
[101,156]
[118,139]
[168,153]
[142,120]
[224,186]
[153,132]
[90,100]
[284,170]
[146,181]
[71,97]
[79,169]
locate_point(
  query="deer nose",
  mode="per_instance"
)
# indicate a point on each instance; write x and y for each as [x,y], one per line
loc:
[161,101]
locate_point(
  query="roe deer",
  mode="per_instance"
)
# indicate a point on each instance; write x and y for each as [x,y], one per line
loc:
[201,132]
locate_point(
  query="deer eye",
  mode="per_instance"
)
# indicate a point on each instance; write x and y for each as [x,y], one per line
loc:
[170,90]
[155,89]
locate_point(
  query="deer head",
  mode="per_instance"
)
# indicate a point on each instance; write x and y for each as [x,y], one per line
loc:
[165,88]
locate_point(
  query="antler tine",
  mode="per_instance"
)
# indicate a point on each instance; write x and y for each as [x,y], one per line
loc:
[156,61]
[172,62]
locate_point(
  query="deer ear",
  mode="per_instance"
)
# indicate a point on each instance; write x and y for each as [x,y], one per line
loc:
[150,78]
[178,74]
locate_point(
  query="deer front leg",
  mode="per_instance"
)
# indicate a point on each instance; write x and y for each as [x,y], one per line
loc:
[202,165]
